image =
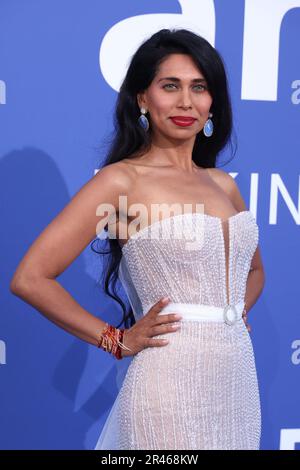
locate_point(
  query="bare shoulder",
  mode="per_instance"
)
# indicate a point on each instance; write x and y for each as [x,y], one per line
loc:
[228,184]
[224,179]
[119,174]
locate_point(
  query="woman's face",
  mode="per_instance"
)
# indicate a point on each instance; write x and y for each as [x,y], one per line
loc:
[188,96]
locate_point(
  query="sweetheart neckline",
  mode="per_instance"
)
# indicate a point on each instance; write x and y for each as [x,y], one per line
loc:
[158,222]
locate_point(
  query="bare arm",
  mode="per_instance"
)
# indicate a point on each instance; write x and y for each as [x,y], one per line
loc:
[59,245]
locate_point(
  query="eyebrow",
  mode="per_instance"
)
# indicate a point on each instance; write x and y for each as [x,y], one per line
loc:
[175,79]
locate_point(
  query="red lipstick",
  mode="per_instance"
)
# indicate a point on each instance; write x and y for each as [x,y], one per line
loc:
[183,121]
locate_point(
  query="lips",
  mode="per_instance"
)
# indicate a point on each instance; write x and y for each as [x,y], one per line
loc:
[183,120]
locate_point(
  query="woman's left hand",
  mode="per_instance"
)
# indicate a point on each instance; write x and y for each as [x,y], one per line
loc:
[245,316]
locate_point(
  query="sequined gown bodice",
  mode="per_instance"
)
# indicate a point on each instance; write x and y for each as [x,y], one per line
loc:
[201,390]
[187,269]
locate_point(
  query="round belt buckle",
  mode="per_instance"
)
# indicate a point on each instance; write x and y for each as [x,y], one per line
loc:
[227,319]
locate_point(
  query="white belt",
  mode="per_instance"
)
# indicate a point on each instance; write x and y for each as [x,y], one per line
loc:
[200,312]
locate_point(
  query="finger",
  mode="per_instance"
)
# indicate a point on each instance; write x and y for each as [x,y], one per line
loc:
[151,342]
[162,329]
[167,318]
[158,306]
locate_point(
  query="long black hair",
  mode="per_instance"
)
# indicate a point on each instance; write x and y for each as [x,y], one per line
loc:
[131,140]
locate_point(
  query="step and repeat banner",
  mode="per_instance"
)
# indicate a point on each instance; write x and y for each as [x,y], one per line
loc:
[61,66]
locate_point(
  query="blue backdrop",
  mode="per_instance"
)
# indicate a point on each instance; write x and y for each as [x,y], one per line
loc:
[61,64]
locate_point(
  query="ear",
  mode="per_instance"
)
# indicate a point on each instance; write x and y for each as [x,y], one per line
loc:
[141,100]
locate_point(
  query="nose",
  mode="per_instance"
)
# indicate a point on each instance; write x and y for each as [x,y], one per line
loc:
[185,99]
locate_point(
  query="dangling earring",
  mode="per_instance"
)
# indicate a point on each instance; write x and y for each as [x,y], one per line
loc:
[142,120]
[208,128]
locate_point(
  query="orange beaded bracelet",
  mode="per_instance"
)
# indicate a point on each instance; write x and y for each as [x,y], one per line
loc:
[111,340]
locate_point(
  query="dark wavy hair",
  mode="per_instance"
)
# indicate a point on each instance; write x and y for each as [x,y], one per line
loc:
[129,139]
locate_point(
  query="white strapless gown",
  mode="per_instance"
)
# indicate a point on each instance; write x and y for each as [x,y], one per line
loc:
[201,390]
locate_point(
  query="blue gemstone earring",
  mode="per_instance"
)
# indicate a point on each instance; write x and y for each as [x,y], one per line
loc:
[142,120]
[208,128]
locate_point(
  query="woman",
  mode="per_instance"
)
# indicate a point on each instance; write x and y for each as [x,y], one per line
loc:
[192,381]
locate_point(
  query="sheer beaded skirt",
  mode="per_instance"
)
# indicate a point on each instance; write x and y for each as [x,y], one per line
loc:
[201,390]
